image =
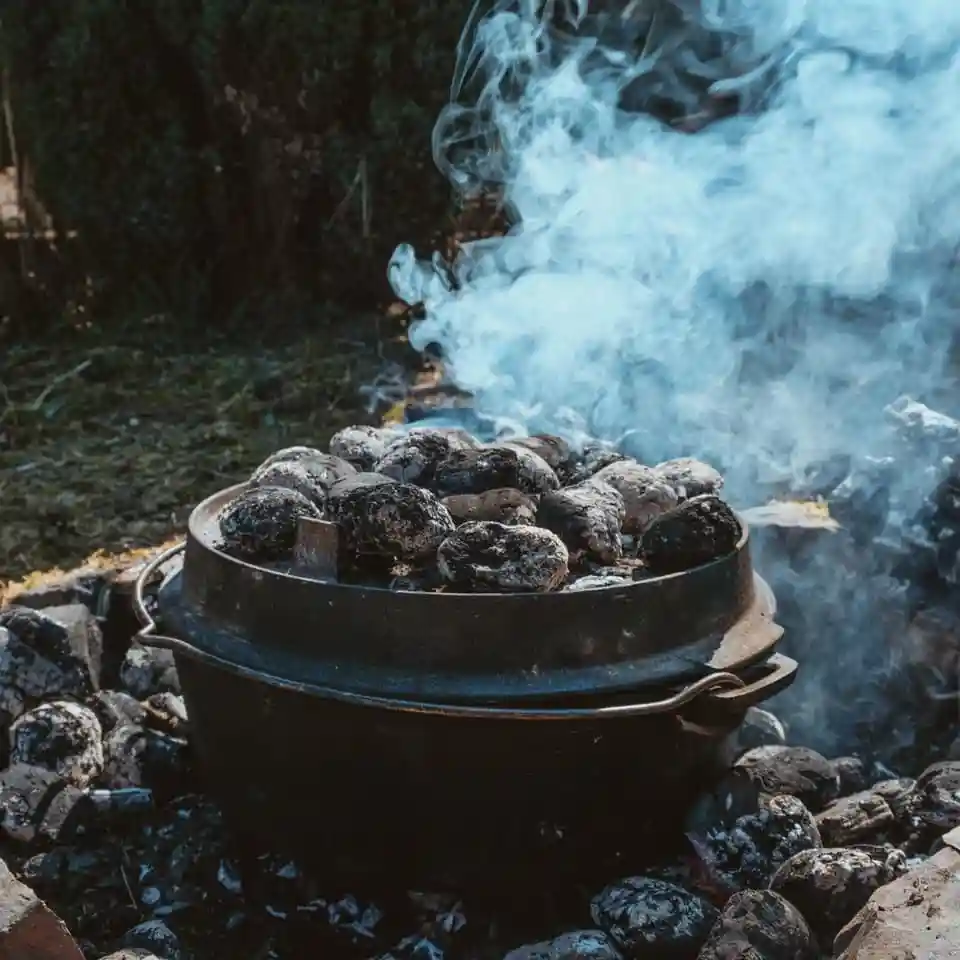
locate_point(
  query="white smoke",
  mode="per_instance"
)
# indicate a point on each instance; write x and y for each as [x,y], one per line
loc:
[757,292]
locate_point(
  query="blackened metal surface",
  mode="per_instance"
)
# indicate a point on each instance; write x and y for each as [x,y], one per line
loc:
[476,646]
[356,790]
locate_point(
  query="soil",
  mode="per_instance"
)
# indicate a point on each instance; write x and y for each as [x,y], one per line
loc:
[106,444]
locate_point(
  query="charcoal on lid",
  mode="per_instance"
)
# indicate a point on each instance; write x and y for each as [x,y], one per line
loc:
[261,524]
[589,461]
[797,771]
[415,457]
[321,469]
[391,521]
[290,454]
[362,445]
[829,886]
[587,518]
[490,467]
[457,436]
[291,475]
[504,505]
[648,917]
[760,925]
[497,557]
[60,736]
[554,451]
[690,535]
[689,477]
[748,853]
[646,496]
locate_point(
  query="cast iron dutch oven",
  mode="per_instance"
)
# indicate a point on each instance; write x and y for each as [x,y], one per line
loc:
[455,734]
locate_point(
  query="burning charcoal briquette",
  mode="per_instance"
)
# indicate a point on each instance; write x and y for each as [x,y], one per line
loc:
[852,773]
[689,477]
[362,445]
[261,524]
[114,707]
[493,556]
[501,506]
[580,945]
[414,457]
[390,520]
[290,455]
[647,917]
[157,937]
[646,496]
[138,757]
[554,451]
[747,854]
[760,925]
[291,475]
[149,670]
[829,886]
[487,468]
[60,736]
[694,533]
[166,712]
[588,462]
[934,803]
[44,656]
[39,804]
[861,818]
[587,518]
[798,771]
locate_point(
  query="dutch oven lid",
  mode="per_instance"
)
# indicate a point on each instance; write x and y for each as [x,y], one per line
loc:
[478,646]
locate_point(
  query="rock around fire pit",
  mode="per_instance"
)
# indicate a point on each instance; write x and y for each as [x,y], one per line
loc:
[103,817]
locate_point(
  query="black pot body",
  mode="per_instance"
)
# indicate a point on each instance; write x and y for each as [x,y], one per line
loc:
[359,790]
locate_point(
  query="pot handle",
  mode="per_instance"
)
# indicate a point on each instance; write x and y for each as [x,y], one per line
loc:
[147,634]
[724,690]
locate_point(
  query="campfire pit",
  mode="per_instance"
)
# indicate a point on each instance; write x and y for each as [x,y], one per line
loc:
[459,731]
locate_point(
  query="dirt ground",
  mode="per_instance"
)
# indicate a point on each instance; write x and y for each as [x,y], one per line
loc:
[106,446]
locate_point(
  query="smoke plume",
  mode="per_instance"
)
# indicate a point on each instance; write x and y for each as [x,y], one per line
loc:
[767,292]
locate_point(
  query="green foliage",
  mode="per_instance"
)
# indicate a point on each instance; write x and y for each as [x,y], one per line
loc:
[213,151]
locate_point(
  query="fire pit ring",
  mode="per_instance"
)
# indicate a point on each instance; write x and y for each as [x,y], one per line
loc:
[361,766]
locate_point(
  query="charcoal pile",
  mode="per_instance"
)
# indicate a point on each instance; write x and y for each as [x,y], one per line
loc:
[110,848]
[434,508]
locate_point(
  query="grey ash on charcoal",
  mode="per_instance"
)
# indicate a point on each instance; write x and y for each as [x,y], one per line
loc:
[487,468]
[497,557]
[618,520]
[362,445]
[692,534]
[261,524]
[501,506]
[588,518]
[416,457]
[646,496]
[689,477]
[398,521]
